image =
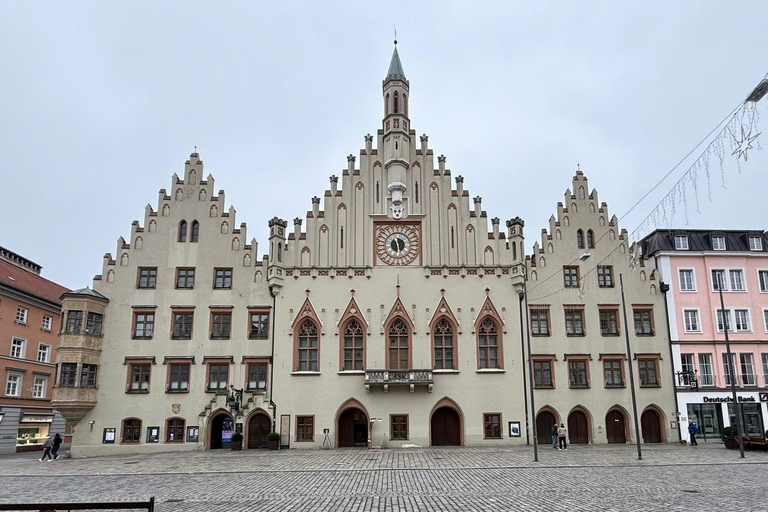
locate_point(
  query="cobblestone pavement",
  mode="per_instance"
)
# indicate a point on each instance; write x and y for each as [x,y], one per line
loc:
[671,477]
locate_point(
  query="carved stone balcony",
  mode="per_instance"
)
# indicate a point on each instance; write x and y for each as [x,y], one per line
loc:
[73,403]
[410,378]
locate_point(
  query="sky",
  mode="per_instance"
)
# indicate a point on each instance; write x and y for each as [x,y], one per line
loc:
[103,101]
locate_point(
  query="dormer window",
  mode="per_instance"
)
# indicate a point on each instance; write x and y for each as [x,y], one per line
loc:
[681,242]
[755,243]
[718,243]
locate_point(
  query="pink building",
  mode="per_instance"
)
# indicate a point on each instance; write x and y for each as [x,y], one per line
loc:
[691,264]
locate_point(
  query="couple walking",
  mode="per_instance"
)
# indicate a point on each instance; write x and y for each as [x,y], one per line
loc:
[559,433]
[51,447]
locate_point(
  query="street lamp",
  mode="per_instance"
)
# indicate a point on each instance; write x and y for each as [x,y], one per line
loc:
[530,368]
[525,385]
[731,365]
[631,370]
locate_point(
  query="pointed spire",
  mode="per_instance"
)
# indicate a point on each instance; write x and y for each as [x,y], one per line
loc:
[395,67]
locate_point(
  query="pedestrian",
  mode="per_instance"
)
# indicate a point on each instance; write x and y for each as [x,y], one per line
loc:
[56,444]
[561,433]
[553,432]
[693,429]
[47,445]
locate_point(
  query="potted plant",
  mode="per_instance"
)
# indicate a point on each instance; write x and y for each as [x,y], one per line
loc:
[237,441]
[273,441]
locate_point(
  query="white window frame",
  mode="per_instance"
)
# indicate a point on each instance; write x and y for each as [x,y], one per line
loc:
[762,282]
[683,245]
[764,360]
[698,319]
[47,322]
[22,350]
[727,376]
[21,315]
[727,276]
[702,374]
[748,318]
[47,358]
[716,239]
[743,278]
[18,379]
[757,246]
[765,320]
[748,360]
[730,314]
[39,387]
[680,279]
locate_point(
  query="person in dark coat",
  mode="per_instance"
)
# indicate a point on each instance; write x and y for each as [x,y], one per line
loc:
[693,429]
[56,444]
[553,432]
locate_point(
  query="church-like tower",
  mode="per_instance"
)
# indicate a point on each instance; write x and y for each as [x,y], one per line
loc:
[396,139]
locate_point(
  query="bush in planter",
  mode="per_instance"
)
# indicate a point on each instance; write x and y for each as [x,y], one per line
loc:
[237,437]
[273,436]
[730,432]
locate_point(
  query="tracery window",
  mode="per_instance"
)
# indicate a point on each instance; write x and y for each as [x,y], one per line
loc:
[488,344]
[308,346]
[353,346]
[442,340]
[398,345]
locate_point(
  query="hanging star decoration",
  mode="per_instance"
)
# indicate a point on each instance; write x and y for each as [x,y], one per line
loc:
[745,144]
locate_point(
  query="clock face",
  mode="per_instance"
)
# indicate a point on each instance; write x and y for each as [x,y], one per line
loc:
[397,244]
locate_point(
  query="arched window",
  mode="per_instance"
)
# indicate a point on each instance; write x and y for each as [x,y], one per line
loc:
[353,346]
[488,344]
[514,251]
[174,430]
[131,431]
[235,244]
[307,349]
[152,226]
[442,341]
[192,177]
[138,243]
[398,345]
[166,210]
[386,105]
[279,252]
[203,195]
[195,231]
[182,231]
[224,228]
[405,107]
[395,106]
[214,211]
[590,239]
[580,239]
[124,259]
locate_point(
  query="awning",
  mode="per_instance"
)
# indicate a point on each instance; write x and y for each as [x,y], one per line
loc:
[36,418]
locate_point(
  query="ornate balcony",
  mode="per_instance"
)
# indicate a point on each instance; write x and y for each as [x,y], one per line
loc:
[410,378]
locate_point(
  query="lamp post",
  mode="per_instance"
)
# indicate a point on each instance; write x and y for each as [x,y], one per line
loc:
[731,365]
[631,371]
[522,352]
[530,370]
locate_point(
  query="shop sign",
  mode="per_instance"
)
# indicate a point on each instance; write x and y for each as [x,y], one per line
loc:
[764,397]
[108,437]
[728,399]
[36,418]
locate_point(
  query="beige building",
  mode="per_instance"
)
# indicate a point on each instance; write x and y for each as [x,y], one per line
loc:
[390,316]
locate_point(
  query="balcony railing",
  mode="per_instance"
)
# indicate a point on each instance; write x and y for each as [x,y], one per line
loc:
[724,381]
[386,378]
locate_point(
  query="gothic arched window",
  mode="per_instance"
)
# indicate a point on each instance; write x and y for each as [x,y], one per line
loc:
[354,346]
[442,342]
[395,109]
[195,231]
[307,348]
[580,239]
[397,350]
[182,231]
[488,344]
[590,238]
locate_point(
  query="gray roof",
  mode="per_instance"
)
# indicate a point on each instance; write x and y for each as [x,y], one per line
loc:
[395,68]
[663,240]
[88,292]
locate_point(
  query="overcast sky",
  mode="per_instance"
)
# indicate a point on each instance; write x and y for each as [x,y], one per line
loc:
[101,102]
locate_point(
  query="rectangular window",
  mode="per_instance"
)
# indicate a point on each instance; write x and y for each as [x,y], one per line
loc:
[687,370]
[492,426]
[648,370]
[765,321]
[737,280]
[398,427]
[765,367]
[691,318]
[47,320]
[143,325]
[681,242]
[755,243]
[93,324]
[542,374]
[257,376]
[178,377]
[139,378]
[741,317]
[706,377]
[686,280]
[43,353]
[762,276]
[21,315]
[738,318]
[217,377]
[613,370]
[68,375]
[17,347]
[220,325]
[222,279]
[305,428]
[74,322]
[609,325]
[574,321]
[747,369]
[147,277]
[727,368]
[13,384]
[643,321]
[605,276]
[174,429]
[185,278]
[577,373]
[88,376]
[259,325]
[540,321]
[182,325]
[571,277]
[723,320]
[718,243]
[39,387]
[131,431]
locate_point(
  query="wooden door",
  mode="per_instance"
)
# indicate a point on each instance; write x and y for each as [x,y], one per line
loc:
[651,426]
[544,422]
[614,427]
[346,429]
[446,428]
[578,428]
[258,428]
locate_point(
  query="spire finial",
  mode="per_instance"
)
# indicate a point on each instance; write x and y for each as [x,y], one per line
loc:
[395,35]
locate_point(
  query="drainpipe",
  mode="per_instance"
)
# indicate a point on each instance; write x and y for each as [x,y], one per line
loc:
[664,288]
[272,403]
[525,386]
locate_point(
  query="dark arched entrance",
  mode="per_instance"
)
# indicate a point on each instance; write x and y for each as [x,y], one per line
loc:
[353,428]
[578,428]
[651,425]
[446,427]
[544,421]
[615,429]
[258,427]
[220,428]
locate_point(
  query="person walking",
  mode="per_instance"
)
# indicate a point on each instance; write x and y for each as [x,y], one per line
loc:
[693,429]
[553,432]
[47,445]
[561,433]
[56,444]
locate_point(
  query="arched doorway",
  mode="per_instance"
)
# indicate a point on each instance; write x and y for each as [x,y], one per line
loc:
[650,422]
[220,430]
[615,428]
[446,427]
[353,428]
[578,427]
[544,421]
[258,427]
